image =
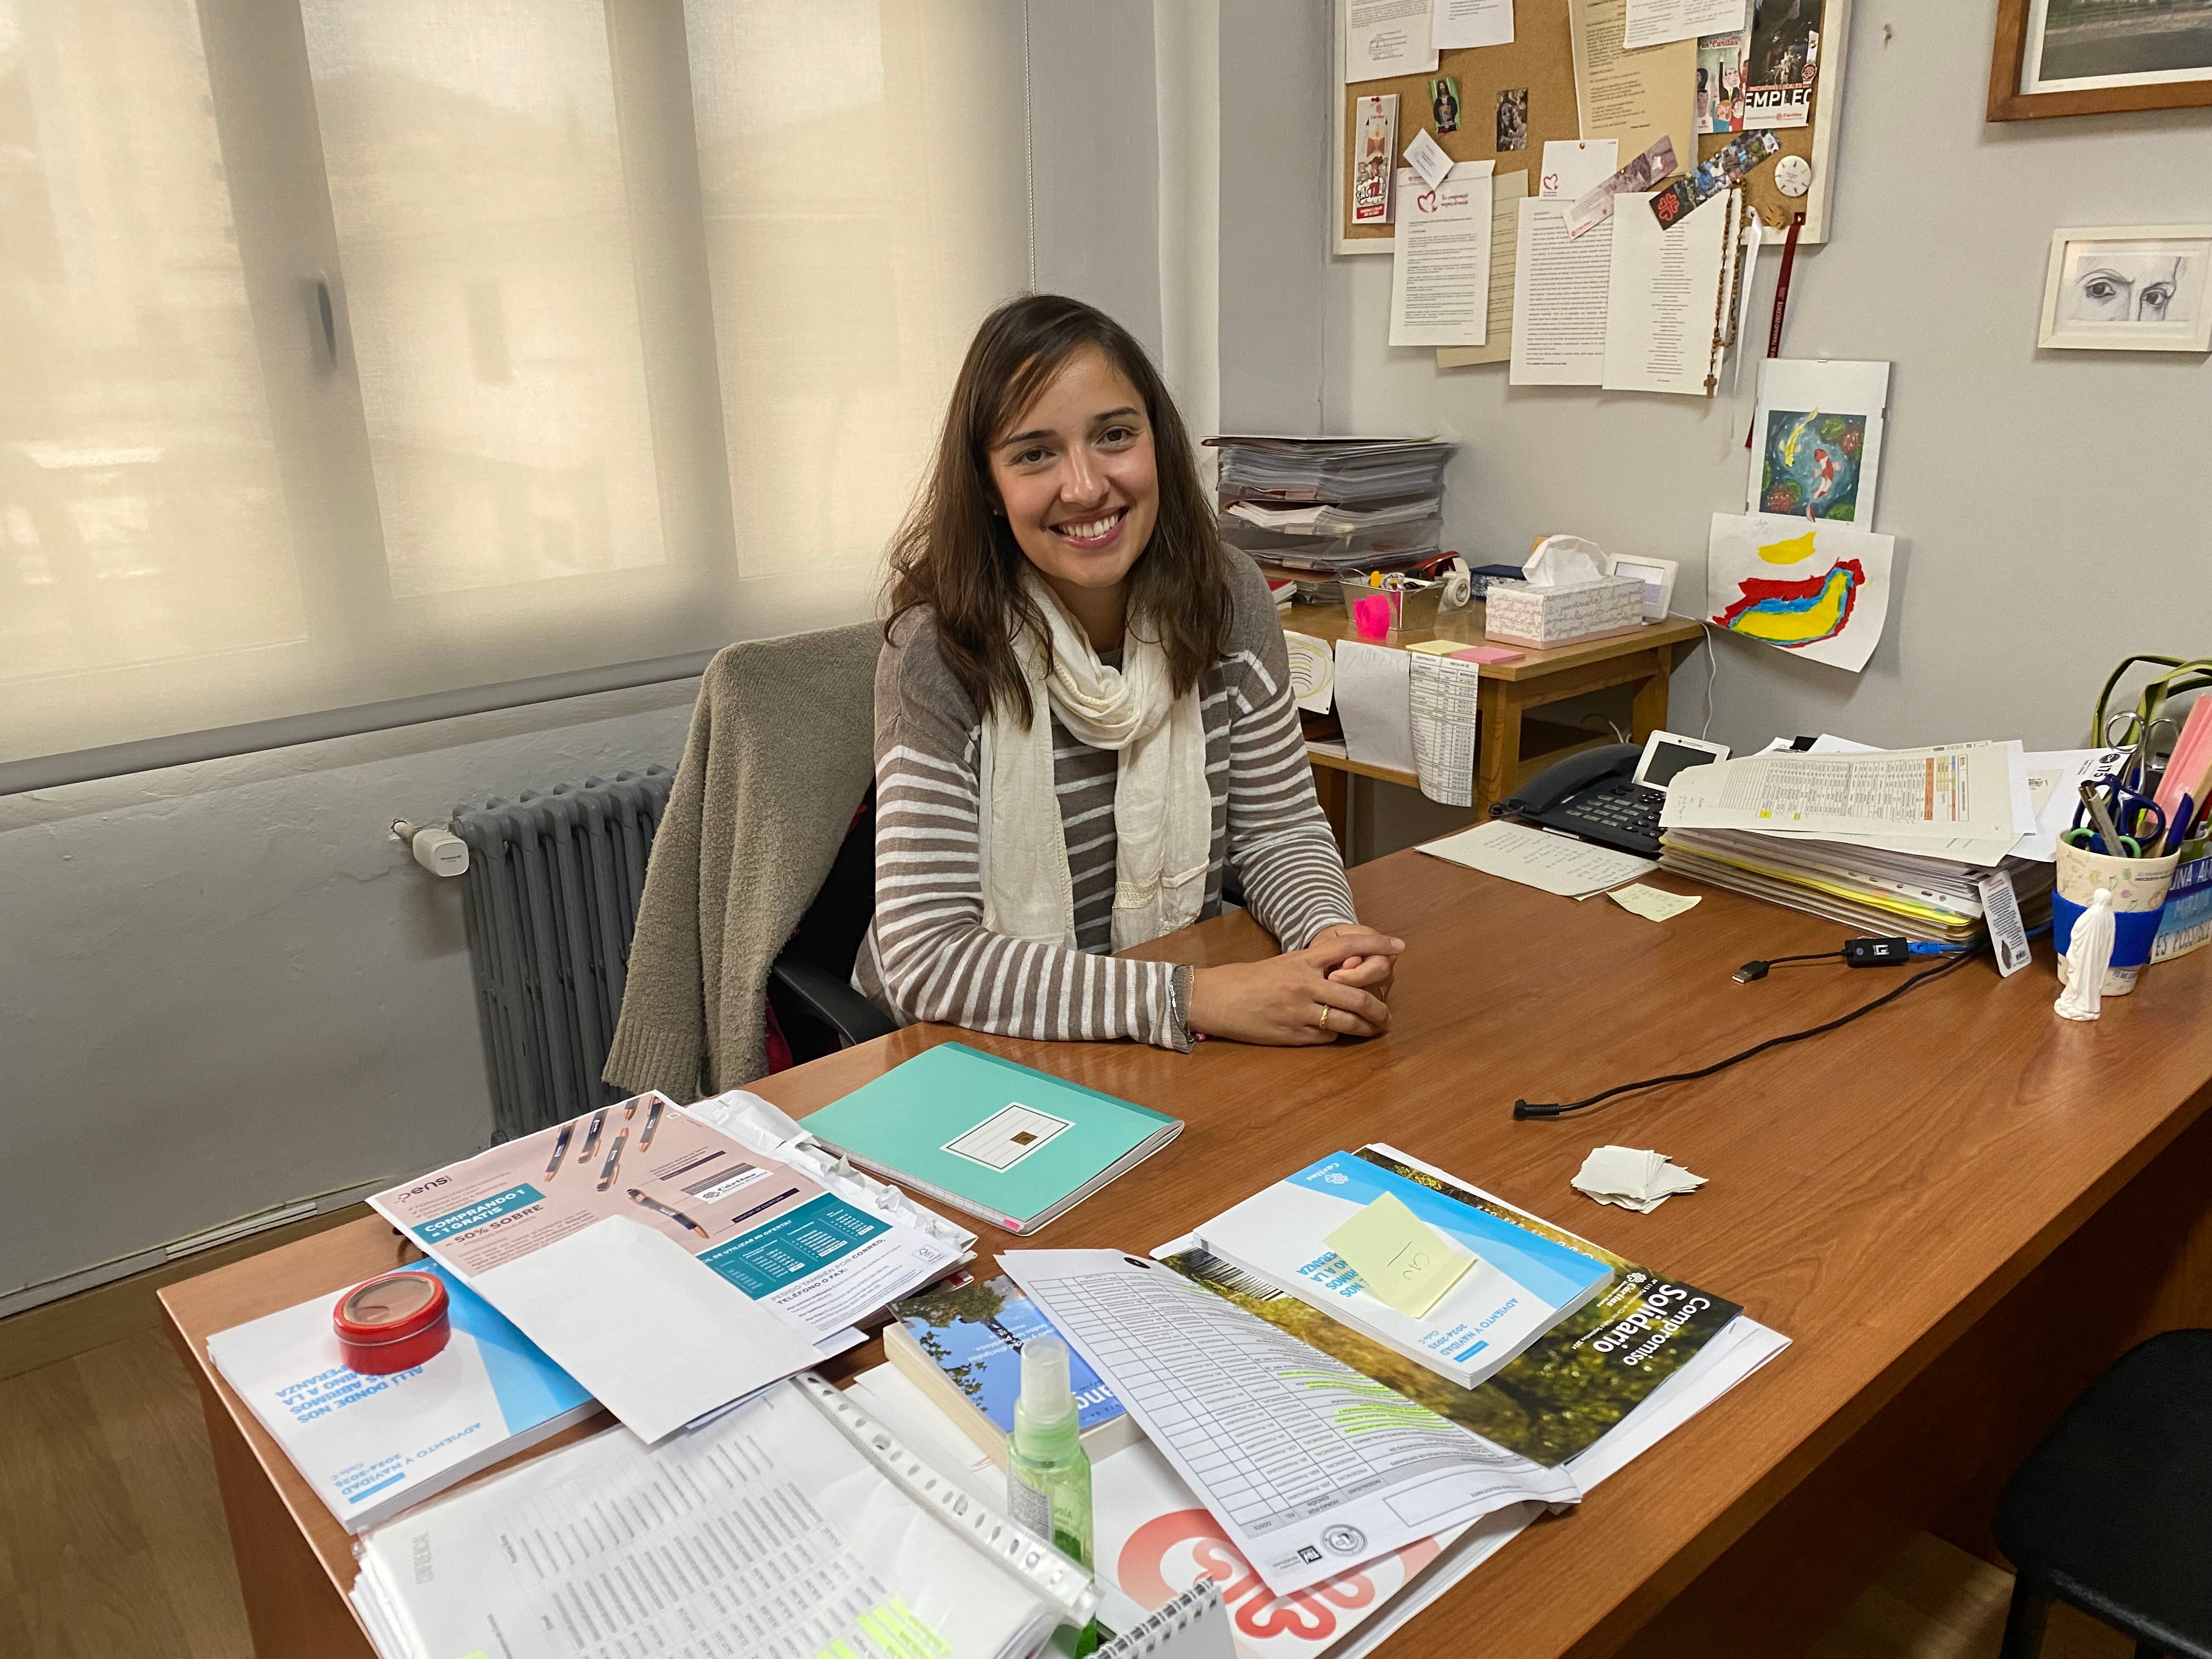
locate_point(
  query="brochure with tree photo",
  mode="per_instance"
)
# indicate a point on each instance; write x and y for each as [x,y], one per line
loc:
[1557,1399]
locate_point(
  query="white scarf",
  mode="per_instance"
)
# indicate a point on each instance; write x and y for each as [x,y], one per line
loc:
[1162,808]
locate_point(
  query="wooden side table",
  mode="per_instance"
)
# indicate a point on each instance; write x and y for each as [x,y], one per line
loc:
[1509,748]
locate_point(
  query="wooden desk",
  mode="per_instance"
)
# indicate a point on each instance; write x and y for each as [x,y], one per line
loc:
[1960,1209]
[1510,691]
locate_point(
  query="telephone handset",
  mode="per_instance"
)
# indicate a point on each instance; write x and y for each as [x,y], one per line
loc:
[1547,789]
[1611,795]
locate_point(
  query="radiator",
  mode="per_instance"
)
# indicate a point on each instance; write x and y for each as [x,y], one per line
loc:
[551,897]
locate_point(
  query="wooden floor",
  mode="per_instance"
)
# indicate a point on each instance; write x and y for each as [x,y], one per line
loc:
[113,1545]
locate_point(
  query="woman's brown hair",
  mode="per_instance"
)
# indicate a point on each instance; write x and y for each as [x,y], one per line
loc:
[956,554]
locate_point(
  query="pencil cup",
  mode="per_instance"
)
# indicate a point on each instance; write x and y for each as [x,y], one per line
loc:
[2138,889]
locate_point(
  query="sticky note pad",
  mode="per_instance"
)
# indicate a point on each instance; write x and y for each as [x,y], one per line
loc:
[1400,1258]
[1436,648]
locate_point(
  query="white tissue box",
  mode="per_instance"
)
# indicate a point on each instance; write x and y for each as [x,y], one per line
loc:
[1522,614]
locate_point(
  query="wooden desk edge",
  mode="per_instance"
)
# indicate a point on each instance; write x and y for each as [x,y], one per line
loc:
[1646,1599]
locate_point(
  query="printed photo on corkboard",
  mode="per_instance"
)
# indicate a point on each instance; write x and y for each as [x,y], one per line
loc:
[1513,118]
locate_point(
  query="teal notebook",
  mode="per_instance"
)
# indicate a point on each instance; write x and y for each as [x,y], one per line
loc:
[1013,1145]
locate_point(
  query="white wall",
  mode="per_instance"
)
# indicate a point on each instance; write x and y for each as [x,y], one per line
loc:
[223,988]
[2049,506]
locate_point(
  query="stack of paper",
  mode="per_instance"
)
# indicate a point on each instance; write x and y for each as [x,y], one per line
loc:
[794,1524]
[1888,840]
[1333,505]
[1633,1180]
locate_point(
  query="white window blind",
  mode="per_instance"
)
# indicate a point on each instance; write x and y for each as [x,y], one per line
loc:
[641,317]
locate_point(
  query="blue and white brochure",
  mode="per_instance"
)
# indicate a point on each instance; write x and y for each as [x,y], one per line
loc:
[1521,1285]
[371,1446]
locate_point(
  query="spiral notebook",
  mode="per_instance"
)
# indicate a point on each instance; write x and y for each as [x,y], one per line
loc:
[1194,1626]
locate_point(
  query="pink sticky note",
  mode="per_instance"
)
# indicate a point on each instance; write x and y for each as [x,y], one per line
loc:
[1489,653]
[1372,617]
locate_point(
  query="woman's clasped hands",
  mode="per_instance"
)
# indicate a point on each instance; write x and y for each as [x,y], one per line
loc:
[1335,987]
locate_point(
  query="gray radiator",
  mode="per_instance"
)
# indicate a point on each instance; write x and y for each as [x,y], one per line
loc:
[551,895]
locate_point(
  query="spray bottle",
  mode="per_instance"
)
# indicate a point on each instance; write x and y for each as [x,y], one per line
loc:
[1048,1471]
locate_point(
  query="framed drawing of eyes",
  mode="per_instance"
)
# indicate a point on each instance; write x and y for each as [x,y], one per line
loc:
[2129,288]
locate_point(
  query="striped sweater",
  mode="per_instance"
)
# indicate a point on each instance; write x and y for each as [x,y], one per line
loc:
[927,955]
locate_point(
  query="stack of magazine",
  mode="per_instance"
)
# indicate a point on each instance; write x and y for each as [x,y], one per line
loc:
[1333,506]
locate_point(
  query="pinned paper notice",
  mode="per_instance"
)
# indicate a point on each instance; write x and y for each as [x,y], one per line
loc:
[1653,903]
[1400,1257]
[1427,157]
[1573,167]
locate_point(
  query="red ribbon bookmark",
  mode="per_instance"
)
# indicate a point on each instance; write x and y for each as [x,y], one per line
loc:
[1781,303]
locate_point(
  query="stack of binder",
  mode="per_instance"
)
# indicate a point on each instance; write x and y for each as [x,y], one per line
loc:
[1330,507]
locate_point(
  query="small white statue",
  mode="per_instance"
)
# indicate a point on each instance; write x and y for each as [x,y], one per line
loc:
[2088,953]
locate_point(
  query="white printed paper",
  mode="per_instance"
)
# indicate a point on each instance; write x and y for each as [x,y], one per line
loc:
[1665,293]
[1575,167]
[1312,1468]
[1561,287]
[1654,22]
[1538,858]
[1386,38]
[1427,157]
[1440,260]
[516,1565]
[1461,23]
[1813,588]
[1442,693]
[1949,790]
[1373,700]
[632,1317]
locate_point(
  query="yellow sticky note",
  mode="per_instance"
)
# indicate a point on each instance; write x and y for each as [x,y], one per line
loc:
[1437,648]
[1400,1258]
[1652,902]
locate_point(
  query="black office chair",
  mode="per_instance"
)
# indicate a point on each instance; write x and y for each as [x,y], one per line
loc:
[2113,1513]
[810,983]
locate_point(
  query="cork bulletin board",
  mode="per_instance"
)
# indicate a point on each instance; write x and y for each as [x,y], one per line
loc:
[1541,60]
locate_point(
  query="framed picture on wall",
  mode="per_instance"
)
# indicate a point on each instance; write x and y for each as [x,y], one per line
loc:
[2094,57]
[2128,287]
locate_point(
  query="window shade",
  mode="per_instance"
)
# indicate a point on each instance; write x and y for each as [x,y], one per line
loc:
[641,320]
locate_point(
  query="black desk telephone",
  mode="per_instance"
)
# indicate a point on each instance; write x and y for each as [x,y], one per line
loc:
[1610,795]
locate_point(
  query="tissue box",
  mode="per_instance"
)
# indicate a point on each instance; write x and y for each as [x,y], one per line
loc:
[1520,613]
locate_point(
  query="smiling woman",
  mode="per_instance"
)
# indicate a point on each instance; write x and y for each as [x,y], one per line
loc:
[1083,716]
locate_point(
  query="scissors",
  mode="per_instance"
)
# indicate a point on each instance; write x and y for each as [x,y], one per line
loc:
[2141,737]
[2124,820]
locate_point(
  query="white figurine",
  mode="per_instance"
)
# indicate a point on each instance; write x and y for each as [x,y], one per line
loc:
[2088,953]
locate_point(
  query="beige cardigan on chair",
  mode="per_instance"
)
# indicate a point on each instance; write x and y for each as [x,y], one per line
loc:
[779,756]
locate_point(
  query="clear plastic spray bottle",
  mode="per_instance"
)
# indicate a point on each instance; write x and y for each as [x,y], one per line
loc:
[1048,1471]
